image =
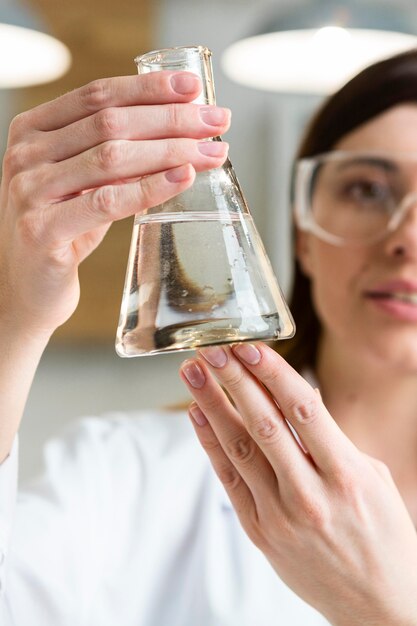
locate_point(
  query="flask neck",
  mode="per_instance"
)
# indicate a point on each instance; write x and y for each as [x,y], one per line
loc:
[195,59]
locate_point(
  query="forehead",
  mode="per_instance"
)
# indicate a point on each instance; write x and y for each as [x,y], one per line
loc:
[394,130]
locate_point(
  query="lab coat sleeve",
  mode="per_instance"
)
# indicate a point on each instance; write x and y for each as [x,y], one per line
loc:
[55,552]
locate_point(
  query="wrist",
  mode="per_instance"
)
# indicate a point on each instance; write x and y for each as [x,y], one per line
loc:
[16,331]
[21,349]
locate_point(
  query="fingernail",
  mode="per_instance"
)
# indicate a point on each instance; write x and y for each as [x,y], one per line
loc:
[198,415]
[185,83]
[178,174]
[247,352]
[214,116]
[215,355]
[213,148]
[194,374]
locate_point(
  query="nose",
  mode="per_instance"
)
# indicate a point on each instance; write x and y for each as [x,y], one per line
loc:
[402,241]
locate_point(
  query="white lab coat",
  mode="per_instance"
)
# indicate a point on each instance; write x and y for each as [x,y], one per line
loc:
[129,526]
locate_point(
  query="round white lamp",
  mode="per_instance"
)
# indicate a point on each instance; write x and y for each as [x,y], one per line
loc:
[27,55]
[318,46]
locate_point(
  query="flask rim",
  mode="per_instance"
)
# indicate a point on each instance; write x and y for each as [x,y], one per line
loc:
[156,56]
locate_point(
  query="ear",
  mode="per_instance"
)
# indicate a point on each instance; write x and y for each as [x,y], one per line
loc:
[303,251]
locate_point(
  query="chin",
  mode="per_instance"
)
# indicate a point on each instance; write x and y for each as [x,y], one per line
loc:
[398,353]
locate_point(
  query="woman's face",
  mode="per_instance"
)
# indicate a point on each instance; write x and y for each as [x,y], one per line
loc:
[359,292]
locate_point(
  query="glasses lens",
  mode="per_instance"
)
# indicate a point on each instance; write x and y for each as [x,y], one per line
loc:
[354,197]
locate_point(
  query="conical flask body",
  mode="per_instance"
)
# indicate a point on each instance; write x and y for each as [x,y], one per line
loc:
[198,273]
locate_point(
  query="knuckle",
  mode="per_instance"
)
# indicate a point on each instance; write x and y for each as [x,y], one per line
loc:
[270,377]
[315,514]
[152,86]
[309,510]
[209,441]
[229,476]
[95,95]
[234,379]
[14,160]
[212,405]
[304,411]
[18,125]
[20,188]
[350,485]
[173,151]
[353,494]
[241,449]
[103,201]
[146,191]
[266,429]
[110,155]
[108,123]
[173,120]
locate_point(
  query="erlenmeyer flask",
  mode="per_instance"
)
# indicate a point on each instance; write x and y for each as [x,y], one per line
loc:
[198,273]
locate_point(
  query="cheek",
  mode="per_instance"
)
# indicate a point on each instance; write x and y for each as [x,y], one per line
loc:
[335,275]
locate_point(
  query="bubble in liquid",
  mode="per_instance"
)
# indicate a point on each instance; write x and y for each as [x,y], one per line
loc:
[237,263]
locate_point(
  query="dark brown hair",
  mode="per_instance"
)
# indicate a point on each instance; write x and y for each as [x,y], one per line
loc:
[375,89]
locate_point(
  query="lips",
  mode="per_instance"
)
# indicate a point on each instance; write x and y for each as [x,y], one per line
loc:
[398,298]
[411,298]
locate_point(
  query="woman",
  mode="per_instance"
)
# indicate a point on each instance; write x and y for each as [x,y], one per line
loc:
[129,525]
[328,514]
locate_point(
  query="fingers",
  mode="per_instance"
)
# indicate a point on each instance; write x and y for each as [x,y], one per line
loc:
[239,493]
[119,160]
[135,122]
[236,442]
[328,446]
[262,420]
[99,135]
[123,91]
[67,220]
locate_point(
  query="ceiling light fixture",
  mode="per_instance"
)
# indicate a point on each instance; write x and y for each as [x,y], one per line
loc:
[316,47]
[27,55]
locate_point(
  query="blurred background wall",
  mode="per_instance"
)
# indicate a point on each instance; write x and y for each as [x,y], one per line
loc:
[80,373]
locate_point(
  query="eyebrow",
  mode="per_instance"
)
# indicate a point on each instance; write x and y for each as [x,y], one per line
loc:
[384,164]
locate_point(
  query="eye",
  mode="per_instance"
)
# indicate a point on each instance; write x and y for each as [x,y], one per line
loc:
[366,191]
